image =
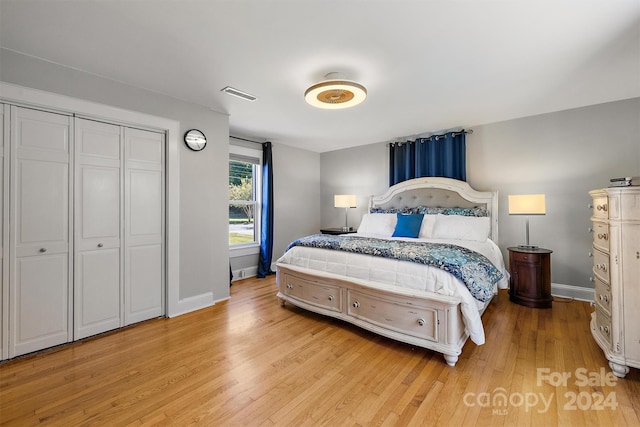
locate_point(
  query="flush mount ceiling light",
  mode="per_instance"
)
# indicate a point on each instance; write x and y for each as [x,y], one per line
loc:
[335,92]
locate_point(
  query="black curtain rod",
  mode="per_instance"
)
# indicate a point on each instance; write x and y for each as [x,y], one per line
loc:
[248,140]
[437,137]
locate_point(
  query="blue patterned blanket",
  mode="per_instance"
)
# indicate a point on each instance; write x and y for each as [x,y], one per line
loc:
[472,268]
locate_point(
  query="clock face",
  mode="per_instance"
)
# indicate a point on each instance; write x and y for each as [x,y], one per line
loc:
[195,140]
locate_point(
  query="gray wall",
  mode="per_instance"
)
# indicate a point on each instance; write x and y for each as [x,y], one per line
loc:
[296,182]
[563,155]
[296,200]
[362,171]
[203,175]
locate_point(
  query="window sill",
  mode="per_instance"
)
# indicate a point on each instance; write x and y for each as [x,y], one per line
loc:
[247,250]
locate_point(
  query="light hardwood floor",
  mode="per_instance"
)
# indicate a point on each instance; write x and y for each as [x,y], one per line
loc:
[248,361]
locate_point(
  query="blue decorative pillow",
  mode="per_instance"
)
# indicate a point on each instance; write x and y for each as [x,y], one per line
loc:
[408,225]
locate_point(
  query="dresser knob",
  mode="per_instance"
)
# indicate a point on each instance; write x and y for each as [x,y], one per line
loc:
[356,304]
[100,245]
[421,322]
[289,286]
[43,250]
[330,297]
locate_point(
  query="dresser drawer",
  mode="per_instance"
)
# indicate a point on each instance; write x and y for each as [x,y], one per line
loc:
[421,322]
[603,325]
[601,236]
[601,207]
[601,265]
[603,296]
[318,294]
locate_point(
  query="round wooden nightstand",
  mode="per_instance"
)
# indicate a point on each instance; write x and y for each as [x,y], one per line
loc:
[530,282]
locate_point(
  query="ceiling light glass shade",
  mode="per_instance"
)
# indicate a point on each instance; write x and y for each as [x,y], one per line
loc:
[335,94]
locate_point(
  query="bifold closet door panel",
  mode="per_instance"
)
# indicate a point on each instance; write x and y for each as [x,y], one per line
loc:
[40,231]
[98,219]
[144,225]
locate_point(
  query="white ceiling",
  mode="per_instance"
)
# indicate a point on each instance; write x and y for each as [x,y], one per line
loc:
[428,65]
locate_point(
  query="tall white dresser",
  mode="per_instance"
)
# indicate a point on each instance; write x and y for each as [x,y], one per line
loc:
[615,323]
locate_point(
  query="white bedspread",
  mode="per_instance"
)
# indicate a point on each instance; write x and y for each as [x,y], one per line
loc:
[405,274]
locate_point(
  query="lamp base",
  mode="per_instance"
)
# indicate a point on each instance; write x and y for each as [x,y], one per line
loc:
[531,247]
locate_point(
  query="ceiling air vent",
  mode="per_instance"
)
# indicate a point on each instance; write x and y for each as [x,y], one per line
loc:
[239,93]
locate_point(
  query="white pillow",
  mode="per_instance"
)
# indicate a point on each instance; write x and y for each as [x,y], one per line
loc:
[378,223]
[462,227]
[426,231]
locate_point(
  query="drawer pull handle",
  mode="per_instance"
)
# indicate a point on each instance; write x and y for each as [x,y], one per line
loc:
[603,236]
[356,304]
[421,322]
[602,267]
[289,286]
[43,250]
[330,297]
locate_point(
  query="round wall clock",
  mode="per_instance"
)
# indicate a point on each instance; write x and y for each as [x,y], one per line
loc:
[195,140]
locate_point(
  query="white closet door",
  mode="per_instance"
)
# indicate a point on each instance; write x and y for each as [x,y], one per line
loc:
[4,235]
[40,214]
[144,225]
[97,288]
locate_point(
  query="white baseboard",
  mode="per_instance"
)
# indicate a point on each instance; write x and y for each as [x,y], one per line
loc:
[243,273]
[193,303]
[575,292]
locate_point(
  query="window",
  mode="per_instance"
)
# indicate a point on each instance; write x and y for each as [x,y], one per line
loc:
[244,199]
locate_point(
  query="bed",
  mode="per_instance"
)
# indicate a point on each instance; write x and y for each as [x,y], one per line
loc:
[421,269]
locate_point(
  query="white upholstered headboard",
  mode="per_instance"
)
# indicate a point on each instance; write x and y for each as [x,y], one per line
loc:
[439,192]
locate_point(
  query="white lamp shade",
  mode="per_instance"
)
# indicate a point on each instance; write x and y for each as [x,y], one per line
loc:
[527,204]
[344,201]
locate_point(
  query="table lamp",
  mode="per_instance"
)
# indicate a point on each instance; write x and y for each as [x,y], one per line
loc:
[527,204]
[345,201]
